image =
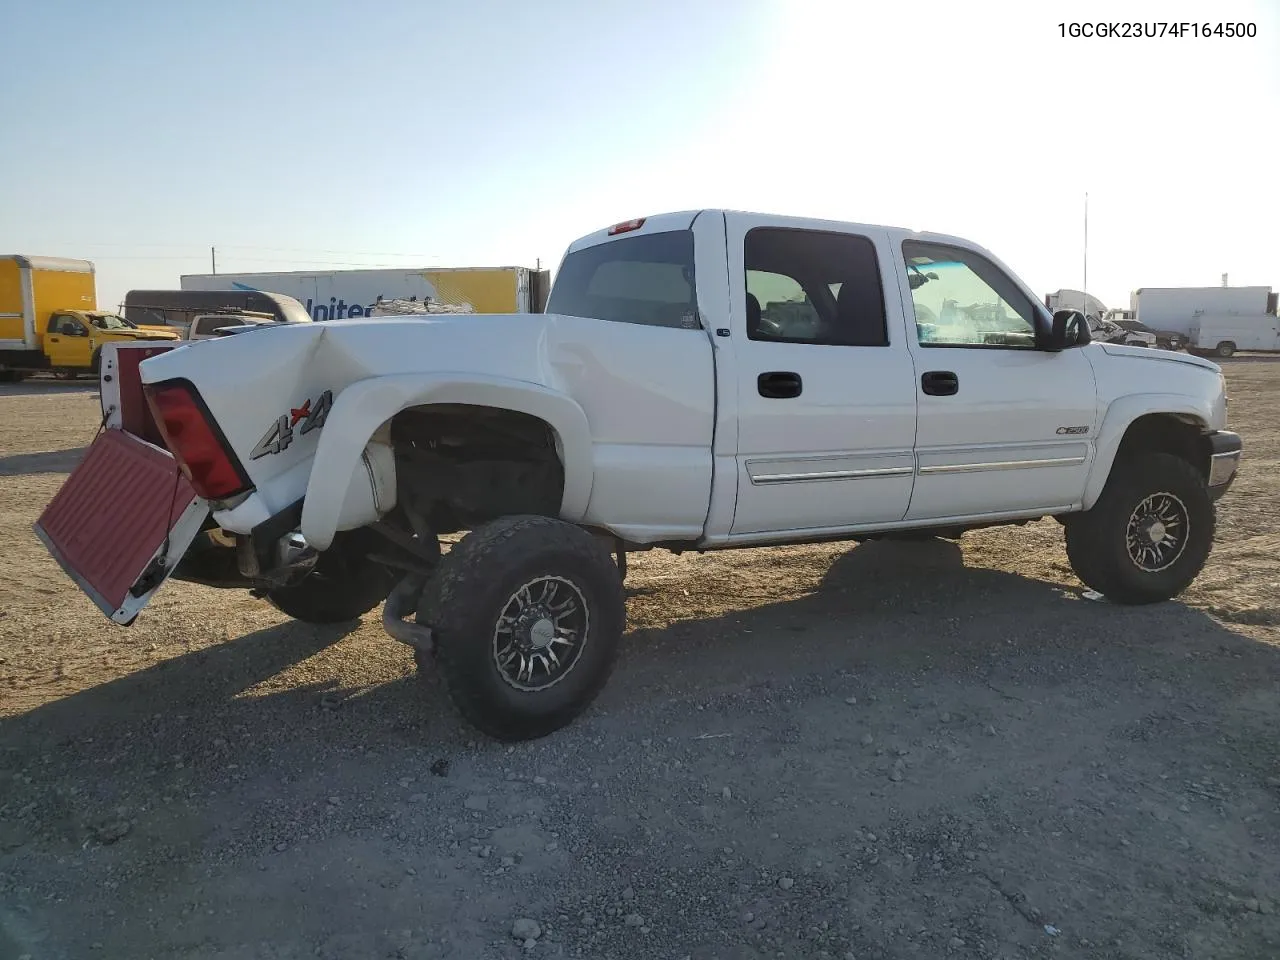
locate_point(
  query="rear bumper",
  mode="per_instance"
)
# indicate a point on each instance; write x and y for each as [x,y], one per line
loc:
[211,564]
[1225,448]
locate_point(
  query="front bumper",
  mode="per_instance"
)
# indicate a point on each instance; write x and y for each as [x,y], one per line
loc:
[1224,460]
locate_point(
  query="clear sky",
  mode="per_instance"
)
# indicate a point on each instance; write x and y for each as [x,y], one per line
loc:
[407,132]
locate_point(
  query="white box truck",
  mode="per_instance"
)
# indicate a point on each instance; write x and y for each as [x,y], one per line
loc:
[340,294]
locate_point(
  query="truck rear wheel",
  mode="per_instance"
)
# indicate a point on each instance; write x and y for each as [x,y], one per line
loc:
[1225,349]
[527,613]
[343,586]
[1149,535]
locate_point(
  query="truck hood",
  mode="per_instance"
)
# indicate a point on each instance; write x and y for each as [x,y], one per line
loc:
[1191,383]
[1168,356]
[141,334]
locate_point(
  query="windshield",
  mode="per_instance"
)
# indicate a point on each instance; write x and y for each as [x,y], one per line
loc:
[645,279]
[110,321]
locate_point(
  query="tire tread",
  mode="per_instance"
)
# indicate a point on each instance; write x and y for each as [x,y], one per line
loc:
[1090,550]
[453,595]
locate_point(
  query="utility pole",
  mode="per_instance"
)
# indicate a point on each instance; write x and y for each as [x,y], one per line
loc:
[213,258]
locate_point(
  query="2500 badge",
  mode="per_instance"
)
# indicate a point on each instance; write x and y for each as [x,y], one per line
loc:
[280,435]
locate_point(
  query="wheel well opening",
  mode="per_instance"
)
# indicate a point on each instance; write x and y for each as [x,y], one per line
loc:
[460,465]
[1166,433]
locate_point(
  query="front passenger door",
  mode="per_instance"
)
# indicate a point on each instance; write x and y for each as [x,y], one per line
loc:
[1004,427]
[67,342]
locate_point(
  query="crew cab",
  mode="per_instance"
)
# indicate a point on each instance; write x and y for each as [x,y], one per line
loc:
[700,381]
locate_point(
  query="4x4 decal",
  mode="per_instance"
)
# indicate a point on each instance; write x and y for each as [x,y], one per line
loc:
[280,434]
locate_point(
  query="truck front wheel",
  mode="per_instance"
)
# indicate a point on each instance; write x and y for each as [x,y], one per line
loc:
[526,613]
[1149,534]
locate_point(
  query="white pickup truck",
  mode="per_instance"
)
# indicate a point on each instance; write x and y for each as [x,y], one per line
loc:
[700,381]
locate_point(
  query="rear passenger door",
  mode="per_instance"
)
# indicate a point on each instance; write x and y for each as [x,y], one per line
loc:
[825,382]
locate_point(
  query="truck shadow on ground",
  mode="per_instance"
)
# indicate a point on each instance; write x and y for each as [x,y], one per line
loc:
[888,610]
[52,461]
[201,769]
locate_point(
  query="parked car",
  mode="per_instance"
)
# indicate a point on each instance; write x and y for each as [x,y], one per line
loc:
[1164,339]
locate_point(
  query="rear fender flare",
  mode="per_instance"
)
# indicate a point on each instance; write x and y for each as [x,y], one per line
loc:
[1120,416]
[362,408]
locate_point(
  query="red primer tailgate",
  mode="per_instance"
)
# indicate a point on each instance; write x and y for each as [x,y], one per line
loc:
[112,515]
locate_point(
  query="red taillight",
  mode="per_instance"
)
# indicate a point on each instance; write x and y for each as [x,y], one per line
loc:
[195,441]
[626,227]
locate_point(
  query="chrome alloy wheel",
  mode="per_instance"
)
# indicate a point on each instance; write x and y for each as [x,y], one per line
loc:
[1157,532]
[541,633]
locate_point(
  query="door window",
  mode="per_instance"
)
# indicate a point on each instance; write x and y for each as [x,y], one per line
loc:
[962,299]
[811,286]
[66,325]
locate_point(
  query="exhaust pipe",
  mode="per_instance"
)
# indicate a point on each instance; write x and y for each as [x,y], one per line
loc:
[402,603]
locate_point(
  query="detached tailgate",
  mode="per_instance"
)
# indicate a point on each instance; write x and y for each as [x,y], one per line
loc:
[121,522]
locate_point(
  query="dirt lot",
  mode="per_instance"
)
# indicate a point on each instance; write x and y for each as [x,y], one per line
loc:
[898,750]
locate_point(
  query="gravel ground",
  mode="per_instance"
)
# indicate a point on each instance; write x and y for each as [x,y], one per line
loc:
[898,750]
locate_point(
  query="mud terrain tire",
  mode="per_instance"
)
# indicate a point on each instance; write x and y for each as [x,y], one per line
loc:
[527,613]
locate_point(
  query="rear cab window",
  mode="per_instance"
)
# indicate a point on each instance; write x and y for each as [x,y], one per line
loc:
[206,325]
[646,279]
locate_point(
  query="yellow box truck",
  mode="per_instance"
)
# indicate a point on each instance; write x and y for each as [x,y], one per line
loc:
[49,318]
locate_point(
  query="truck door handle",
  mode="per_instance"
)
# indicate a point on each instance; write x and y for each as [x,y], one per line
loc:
[778,385]
[940,383]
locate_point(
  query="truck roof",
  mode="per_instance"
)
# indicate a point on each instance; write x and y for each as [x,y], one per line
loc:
[85,314]
[63,264]
[683,220]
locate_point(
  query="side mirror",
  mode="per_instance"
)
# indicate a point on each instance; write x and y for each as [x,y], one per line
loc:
[1069,328]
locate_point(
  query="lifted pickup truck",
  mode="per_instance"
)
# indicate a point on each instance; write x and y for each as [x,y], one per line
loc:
[700,381]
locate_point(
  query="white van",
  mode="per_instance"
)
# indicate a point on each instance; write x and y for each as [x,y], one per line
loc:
[1223,335]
